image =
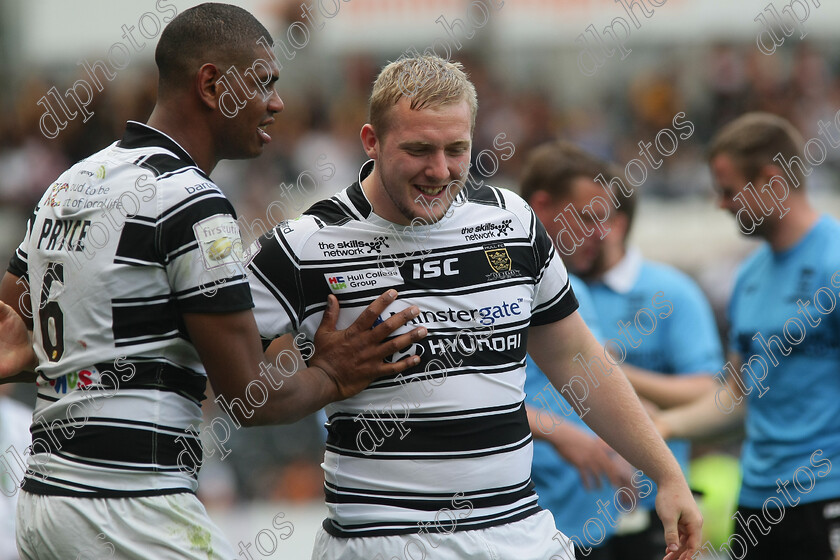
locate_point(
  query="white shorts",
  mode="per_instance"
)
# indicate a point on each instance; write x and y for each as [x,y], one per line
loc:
[174,526]
[532,538]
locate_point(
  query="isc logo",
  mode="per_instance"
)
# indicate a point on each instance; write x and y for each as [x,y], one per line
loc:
[435,268]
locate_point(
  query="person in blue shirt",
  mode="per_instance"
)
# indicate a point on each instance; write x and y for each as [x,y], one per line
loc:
[783,375]
[571,486]
[651,315]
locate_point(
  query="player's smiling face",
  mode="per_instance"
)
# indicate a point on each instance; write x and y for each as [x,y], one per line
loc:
[419,161]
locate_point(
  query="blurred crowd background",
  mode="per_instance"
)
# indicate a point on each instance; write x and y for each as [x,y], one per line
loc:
[530,87]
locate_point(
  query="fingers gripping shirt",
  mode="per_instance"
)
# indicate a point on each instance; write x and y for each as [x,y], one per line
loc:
[450,433]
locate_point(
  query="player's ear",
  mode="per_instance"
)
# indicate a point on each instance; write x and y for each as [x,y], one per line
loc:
[207,85]
[370,141]
[767,172]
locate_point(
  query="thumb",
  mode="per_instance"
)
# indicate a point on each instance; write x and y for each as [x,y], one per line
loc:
[672,536]
[330,318]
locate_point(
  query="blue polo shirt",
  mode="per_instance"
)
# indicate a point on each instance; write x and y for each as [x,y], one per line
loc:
[558,483]
[793,414]
[658,319]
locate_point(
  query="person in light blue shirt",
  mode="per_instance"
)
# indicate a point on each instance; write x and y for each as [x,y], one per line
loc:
[650,315]
[571,487]
[785,343]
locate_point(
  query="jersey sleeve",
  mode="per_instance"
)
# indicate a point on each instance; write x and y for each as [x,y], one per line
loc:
[554,297]
[693,334]
[274,277]
[200,247]
[19,263]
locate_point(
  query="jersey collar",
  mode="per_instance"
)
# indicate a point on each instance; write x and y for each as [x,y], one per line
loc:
[622,277]
[356,194]
[139,135]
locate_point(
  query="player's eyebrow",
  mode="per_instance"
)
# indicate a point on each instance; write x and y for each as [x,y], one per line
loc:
[419,144]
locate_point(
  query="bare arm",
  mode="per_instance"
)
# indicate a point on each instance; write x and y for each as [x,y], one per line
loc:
[718,410]
[621,421]
[17,359]
[590,456]
[667,391]
[344,362]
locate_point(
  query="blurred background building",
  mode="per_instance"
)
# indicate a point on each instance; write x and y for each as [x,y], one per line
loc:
[544,69]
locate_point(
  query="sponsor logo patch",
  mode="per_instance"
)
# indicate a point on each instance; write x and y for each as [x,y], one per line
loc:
[219,241]
[363,279]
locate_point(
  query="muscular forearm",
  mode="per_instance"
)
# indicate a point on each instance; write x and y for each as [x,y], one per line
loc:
[667,391]
[618,417]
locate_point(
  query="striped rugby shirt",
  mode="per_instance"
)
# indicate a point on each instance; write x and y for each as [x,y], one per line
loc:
[117,249]
[446,442]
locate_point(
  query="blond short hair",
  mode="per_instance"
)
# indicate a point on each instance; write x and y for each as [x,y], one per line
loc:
[428,81]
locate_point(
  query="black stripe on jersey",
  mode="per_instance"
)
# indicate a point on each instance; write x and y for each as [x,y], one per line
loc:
[17,264]
[330,212]
[165,163]
[543,246]
[471,263]
[159,376]
[357,197]
[143,319]
[136,243]
[526,484]
[426,502]
[275,267]
[382,529]
[560,306]
[35,483]
[343,206]
[429,436]
[111,443]
[221,296]
[486,195]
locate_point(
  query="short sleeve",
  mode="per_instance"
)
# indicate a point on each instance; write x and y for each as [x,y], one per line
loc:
[201,249]
[554,298]
[274,278]
[19,263]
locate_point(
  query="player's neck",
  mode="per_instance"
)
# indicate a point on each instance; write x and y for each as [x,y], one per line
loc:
[189,134]
[794,226]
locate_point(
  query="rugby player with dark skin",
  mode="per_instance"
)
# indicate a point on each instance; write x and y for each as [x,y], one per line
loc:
[189,109]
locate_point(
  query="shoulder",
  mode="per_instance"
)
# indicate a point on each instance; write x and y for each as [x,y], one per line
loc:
[495,202]
[751,269]
[289,239]
[667,276]
[830,235]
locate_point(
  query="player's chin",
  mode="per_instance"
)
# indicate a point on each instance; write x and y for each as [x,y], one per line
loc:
[429,214]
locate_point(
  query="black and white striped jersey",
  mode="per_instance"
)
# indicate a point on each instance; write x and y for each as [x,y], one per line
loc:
[117,249]
[446,442]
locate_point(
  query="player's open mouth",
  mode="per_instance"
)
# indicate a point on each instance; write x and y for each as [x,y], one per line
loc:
[431,191]
[262,133]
